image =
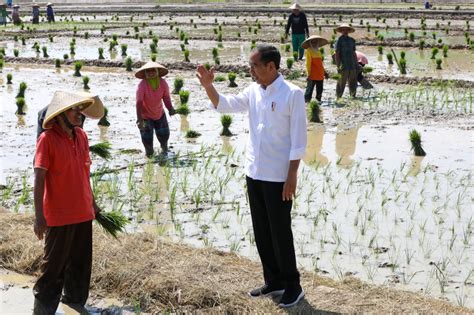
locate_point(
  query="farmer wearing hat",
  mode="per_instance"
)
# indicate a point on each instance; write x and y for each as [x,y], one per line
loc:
[314,66]
[299,28]
[36,14]
[362,61]
[64,203]
[152,92]
[277,142]
[50,12]
[346,61]
[16,15]
[3,14]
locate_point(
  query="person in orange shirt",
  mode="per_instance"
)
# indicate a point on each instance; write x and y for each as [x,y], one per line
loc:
[64,203]
[314,66]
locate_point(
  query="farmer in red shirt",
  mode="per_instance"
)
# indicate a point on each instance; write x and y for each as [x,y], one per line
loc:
[152,92]
[64,203]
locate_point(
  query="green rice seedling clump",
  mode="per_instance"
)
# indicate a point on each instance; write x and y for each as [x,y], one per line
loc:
[112,222]
[226,121]
[415,139]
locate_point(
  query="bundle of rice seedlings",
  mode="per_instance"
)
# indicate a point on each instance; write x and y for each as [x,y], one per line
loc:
[104,120]
[101,149]
[9,78]
[77,68]
[178,84]
[20,105]
[101,53]
[415,139]
[183,109]
[112,222]
[192,134]
[314,111]
[57,63]
[367,69]
[85,82]
[184,96]
[22,89]
[226,120]
[232,76]
[128,63]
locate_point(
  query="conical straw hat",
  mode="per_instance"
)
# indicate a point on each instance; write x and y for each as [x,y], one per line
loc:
[314,38]
[342,27]
[62,101]
[140,74]
[295,6]
[49,4]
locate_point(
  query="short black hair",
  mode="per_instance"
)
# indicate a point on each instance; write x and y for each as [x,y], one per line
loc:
[268,53]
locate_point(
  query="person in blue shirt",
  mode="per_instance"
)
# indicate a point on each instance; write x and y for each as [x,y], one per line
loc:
[36,14]
[50,12]
[346,61]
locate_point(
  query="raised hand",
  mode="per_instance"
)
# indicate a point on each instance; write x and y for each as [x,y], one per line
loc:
[206,77]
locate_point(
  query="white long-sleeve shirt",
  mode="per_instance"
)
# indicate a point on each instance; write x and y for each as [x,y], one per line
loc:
[277,123]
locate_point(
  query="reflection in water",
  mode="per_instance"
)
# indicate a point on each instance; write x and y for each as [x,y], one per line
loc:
[313,154]
[415,165]
[21,120]
[104,135]
[184,123]
[226,145]
[346,144]
[155,185]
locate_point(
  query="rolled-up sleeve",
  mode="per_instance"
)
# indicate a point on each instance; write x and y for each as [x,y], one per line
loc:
[233,103]
[298,126]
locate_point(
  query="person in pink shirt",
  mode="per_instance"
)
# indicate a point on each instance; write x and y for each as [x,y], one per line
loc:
[152,93]
[362,61]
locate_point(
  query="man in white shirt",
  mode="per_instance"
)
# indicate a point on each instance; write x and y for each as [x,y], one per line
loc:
[277,142]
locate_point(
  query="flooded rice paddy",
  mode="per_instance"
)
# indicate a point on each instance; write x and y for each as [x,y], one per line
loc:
[365,205]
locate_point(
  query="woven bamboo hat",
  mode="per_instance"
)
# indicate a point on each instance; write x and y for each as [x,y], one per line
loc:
[314,38]
[49,4]
[295,6]
[90,104]
[140,74]
[347,27]
[35,5]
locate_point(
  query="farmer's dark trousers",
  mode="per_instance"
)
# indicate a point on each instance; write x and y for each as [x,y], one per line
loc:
[66,264]
[271,221]
[310,84]
[349,76]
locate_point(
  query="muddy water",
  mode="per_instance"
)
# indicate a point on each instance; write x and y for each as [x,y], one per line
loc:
[365,206]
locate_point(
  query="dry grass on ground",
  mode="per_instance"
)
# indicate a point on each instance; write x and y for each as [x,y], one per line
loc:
[159,275]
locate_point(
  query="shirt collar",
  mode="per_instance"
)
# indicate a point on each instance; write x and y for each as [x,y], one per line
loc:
[57,128]
[274,85]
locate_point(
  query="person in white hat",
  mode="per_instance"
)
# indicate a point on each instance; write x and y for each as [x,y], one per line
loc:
[314,66]
[50,12]
[64,203]
[298,23]
[346,61]
[16,15]
[152,92]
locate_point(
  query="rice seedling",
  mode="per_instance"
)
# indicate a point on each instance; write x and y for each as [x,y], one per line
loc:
[112,222]
[21,90]
[77,68]
[177,85]
[102,150]
[153,48]
[415,139]
[20,105]
[104,121]
[153,57]
[124,48]
[314,111]
[390,58]
[128,63]
[421,44]
[101,53]
[16,52]
[186,55]
[226,121]
[9,78]
[289,62]
[65,56]
[438,63]
[183,109]
[232,76]
[192,134]
[434,52]
[445,51]
[85,82]
[411,37]
[184,96]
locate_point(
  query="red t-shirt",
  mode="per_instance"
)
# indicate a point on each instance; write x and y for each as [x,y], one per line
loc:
[151,101]
[67,195]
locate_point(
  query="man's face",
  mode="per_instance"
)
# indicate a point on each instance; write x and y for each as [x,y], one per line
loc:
[296,12]
[151,73]
[74,115]
[262,73]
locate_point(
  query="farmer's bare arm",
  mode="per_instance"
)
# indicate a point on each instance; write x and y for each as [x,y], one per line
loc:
[40,222]
[289,188]
[206,77]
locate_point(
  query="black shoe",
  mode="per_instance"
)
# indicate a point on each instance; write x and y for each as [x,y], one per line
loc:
[291,296]
[267,290]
